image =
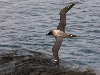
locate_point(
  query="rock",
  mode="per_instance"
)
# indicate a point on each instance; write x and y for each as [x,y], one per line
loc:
[35,63]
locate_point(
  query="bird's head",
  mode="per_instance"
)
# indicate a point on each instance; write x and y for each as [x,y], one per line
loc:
[50,33]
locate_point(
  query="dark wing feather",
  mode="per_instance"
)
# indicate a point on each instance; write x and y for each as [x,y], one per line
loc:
[63,12]
[56,47]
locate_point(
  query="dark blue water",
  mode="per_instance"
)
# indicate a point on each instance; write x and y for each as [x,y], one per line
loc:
[24,23]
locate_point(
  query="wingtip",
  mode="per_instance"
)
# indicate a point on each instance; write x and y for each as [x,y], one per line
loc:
[72,5]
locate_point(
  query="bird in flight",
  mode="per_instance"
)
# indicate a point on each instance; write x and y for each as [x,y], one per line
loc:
[59,33]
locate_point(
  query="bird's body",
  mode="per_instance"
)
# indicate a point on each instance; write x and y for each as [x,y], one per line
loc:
[59,33]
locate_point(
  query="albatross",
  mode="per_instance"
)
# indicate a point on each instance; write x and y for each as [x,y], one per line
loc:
[59,33]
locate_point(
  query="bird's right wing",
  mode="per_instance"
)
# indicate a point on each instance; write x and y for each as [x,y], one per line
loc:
[63,12]
[56,47]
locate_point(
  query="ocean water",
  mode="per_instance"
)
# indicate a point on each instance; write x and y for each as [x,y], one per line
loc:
[25,23]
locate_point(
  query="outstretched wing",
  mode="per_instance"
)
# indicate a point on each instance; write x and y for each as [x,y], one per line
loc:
[56,47]
[63,12]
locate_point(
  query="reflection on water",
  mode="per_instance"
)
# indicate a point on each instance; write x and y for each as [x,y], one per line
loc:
[23,24]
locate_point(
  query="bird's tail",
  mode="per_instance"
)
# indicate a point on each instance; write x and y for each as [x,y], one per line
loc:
[67,35]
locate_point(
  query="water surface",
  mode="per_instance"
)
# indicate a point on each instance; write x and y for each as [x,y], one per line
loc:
[24,23]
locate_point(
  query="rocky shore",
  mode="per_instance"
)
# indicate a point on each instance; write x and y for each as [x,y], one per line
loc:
[33,63]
